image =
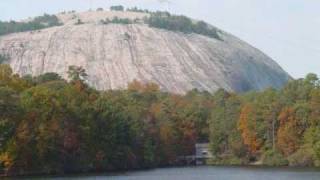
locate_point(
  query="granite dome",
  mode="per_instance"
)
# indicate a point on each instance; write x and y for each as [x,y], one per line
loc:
[115,54]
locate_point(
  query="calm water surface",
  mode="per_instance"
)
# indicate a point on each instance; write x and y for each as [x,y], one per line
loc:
[206,173]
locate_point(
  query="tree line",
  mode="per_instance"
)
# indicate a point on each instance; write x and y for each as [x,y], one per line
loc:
[37,23]
[52,126]
[272,127]
[165,20]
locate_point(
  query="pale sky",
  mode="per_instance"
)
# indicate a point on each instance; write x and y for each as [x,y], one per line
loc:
[286,30]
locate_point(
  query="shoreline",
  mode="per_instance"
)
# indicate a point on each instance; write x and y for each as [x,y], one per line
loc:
[119,172]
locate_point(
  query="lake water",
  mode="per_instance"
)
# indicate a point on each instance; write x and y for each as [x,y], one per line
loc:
[207,173]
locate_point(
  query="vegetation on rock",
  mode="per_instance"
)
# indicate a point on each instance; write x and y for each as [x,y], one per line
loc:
[117,8]
[135,9]
[37,23]
[117,20]
[3,58]
[165,20]
[79,22]
[99,9]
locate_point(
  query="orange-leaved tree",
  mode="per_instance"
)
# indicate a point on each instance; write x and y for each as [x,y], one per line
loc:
[288,136]
[247,127]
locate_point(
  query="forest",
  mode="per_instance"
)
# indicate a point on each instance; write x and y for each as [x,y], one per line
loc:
[52,126]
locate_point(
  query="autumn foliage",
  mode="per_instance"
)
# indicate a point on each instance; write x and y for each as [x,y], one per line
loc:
[50,125]
[288,132]
[247,126]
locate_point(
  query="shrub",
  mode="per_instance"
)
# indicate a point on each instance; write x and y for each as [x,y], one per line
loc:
[135,9]
[274,158]
[100,9]
[3,58]
[127,36]
[303,157]
[117,20]
[79,22]
[227,160]
[117,8]
[47,77]
[312,138]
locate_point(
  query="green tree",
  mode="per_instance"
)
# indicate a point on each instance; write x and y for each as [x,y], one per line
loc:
[10,116]
[117,8]
[224,136]
[112,135]
[76,73]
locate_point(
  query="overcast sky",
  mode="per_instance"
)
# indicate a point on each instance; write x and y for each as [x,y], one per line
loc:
[286,30]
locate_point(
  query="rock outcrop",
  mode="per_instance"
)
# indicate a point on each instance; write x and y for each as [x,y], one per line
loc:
[115,54]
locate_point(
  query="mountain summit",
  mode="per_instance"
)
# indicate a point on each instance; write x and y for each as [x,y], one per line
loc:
[117,47]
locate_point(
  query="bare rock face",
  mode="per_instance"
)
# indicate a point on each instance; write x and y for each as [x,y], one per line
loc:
[114,55]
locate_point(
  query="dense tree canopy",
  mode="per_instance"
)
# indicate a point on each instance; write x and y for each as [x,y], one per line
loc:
[49,125]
